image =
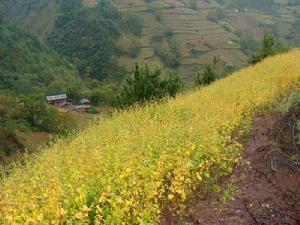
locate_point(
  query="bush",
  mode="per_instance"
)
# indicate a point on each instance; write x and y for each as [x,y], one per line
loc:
[167,56]
[156,12]
[216,14]
[133,23]
[248,44]
[192,4]
[134,48]
[100,94]
[92,110]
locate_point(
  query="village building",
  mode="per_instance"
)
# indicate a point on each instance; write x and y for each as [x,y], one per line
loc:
[61,101]
[57,99]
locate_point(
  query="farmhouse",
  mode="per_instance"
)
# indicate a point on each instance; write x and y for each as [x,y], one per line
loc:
[57,99]
[61,101]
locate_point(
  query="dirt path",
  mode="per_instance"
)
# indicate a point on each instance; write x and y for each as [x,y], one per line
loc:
[267,183]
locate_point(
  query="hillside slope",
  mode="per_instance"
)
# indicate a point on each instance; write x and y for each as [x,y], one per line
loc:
[86,36]
[204,29]
[180,34]
[127,168]
[27,66]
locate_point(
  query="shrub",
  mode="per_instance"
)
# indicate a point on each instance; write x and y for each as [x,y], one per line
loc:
[133,23]
[216,14]
[167,56]
[134,48]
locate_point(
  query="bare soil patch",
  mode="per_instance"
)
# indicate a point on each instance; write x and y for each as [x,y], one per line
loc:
[267,182]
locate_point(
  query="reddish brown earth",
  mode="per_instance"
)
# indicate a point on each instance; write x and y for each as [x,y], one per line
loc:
[267,182]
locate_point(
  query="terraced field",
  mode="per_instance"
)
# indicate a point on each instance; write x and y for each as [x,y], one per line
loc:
[199,39]
[197,36]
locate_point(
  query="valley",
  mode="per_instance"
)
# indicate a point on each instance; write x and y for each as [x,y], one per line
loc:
[199,36]
[180,35]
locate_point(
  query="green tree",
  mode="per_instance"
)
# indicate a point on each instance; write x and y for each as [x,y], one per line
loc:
[172,84]
[270,46]
[132,23]
[74,93]
[43,117]
[208,74]
[192,4]
[147,84]
[38,113]
[248,44]
[206,77]
[134,48]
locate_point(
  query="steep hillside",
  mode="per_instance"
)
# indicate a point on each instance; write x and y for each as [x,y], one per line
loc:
[27,66]
[180,34]
[38,16]
[203,29]
[85,35]
[127,168]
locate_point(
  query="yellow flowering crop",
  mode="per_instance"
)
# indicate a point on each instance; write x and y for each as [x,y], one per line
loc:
[127,168]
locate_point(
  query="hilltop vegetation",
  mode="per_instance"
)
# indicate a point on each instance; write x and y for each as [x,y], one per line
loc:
[26,66]
[129,167]
[182,35]
[202,29]
[87,37]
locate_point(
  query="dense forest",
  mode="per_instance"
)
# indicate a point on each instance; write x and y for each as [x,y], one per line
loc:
[87,36]
[27,66]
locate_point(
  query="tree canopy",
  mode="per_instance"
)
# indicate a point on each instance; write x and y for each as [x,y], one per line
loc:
[148,84]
